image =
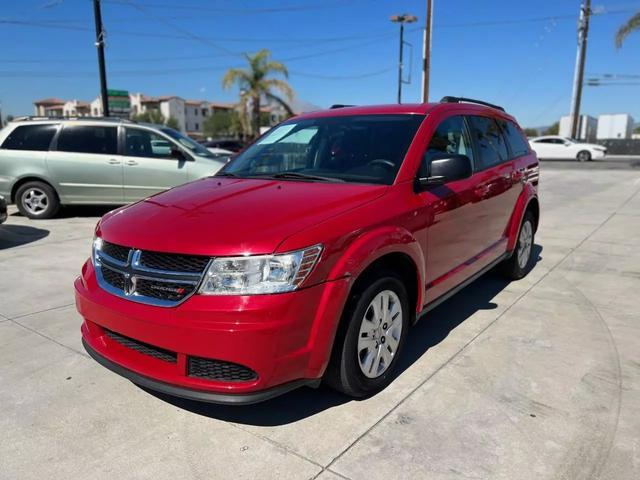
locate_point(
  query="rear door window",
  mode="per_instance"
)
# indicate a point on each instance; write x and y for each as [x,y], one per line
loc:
[517,143]
[491,145]
[89,139]
[30,137]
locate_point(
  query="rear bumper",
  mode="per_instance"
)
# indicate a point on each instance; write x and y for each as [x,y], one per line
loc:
[285,338]
[3,209]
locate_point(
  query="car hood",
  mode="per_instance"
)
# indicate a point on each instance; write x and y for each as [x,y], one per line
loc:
[223,216]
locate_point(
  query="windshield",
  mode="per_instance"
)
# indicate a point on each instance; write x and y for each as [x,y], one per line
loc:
[357,149]
[189,144]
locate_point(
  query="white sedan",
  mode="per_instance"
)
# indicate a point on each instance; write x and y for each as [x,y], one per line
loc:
[553,146]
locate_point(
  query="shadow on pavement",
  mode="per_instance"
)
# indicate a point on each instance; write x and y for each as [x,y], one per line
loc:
[304,402]
[77,211]
[16,235]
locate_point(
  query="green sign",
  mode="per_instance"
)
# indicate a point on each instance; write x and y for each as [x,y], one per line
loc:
[117,93]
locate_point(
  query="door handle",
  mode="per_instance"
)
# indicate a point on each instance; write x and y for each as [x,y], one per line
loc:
[131,162]
[114,161]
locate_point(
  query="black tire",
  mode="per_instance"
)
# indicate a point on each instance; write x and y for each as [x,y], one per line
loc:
[584,156]
[513,268]
[344,372]
[49,206]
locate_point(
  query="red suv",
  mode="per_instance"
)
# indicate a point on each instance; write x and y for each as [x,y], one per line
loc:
[310,256]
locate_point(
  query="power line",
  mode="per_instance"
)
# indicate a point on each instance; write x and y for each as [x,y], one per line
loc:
[240,11]
[178,71]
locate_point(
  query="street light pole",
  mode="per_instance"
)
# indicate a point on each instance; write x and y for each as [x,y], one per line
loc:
[402,19]
[100,46]
[578,76]
[426,53]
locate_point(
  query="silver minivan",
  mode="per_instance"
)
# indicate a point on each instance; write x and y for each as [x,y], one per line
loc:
[45,163]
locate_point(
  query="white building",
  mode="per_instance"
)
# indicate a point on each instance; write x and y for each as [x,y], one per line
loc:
[615,125]
[587,128]
[190,115]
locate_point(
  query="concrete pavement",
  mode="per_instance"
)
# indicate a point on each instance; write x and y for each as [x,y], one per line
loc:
[533,379]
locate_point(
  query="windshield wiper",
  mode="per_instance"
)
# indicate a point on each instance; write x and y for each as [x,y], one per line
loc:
[225,174]
[305,176]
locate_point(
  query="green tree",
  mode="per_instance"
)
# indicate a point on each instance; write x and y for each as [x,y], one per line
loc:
[554,129]
[632,25]
[172,122]
[530,132]
[636,130]
[150,116]
[223,123]
[156,118]
[256,82]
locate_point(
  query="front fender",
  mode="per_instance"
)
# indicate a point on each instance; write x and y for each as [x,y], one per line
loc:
[368,247]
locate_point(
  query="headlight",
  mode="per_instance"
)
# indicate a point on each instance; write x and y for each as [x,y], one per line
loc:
[97,246]
[260,273]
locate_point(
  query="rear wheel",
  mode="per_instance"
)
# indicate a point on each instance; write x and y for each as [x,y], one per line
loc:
[584,156]
[37,200]
[372,333]
[519,264]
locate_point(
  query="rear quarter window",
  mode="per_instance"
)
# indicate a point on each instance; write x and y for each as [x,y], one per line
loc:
[30,137]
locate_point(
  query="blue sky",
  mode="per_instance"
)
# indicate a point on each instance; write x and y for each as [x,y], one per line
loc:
[338,51]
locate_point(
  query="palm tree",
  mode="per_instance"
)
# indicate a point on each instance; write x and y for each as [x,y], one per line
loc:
[632,25]
[255,83]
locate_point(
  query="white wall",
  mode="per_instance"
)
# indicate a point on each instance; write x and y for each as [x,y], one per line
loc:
[587,128]
[618,125]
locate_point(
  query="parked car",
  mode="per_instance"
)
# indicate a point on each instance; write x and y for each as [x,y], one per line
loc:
[312,253]
[556,147]
[48,163]
[228,144]
[3,209]
[220,151]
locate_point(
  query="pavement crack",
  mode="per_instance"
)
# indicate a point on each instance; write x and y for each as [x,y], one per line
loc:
[49,338]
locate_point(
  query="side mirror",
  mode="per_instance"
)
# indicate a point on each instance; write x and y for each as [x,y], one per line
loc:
[178,154]
[446,169]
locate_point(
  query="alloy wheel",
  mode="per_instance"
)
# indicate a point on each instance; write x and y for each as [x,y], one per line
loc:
[35,201]
[525,243]
[380,333]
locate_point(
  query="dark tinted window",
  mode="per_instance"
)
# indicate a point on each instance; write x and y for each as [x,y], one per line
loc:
[517,143]
[89,139]
[555,141]
[449,138]
[30,137]
[492,148]
[358,148]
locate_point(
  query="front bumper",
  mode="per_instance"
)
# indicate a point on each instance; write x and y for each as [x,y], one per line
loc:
[284,338]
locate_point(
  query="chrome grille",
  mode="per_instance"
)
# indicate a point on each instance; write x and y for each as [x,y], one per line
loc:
[161,279]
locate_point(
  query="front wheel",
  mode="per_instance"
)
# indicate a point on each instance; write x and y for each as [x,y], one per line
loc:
[584,156]
[371,336]
[37,200]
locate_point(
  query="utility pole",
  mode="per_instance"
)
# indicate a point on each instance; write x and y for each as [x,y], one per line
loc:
[402,19]
[100,46]
[578,76]
[426,52]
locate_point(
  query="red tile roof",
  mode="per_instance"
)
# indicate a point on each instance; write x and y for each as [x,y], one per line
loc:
[49,101]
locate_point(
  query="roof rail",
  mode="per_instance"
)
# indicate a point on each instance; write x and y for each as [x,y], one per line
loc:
[449,99]
[339,105]
[46,117]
